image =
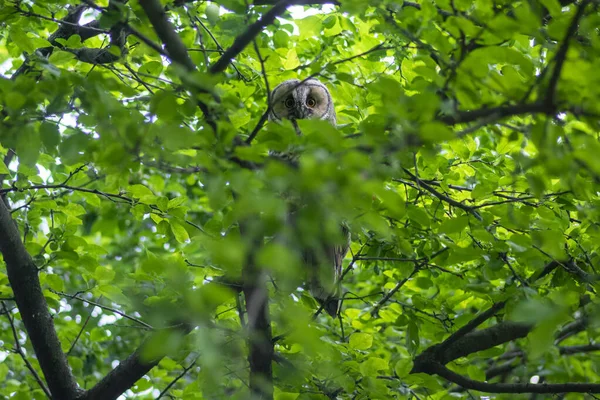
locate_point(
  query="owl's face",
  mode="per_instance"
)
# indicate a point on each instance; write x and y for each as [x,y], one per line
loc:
[311,99]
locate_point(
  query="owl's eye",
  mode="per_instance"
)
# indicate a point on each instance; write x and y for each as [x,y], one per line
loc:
[289,102]
[310,102]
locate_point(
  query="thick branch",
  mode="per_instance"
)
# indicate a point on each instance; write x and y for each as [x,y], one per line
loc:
[246,38]
[166,32]
[500,112]
[467,383]
[470,343]
[484,339]
[572,328]
[23,278]
[63,32]
[561,54]
[7,159]
[474,323]
[432,361]
[123,377]
[259,333]
[177,51]
[584,348]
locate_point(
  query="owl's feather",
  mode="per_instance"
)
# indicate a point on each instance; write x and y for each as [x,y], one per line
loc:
[324,287]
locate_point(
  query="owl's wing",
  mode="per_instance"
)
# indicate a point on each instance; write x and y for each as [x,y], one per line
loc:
[328,296]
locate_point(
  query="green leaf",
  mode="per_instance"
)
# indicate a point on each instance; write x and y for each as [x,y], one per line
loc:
[179,231]
[290,60]
[21,39]
[3,168]
[141,192]
[373,366]
[152,68]
[49,135]
[281,39]
[286,396]
[412,337]
[309,26]
[418,215]
[104,274]
[435,132]
[59,57]
[403,367]
[361,341]
[454,225]
[15,100]
[112,293]
[54,281]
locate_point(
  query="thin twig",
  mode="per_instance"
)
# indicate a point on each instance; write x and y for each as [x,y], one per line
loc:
[107,308]
[443,197]
[474,323]
[19,351]
[178,377]
[81,330]
[149,42]
[416,269]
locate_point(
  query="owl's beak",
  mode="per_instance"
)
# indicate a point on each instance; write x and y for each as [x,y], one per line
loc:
[296,127]
[297,113]
[301,112]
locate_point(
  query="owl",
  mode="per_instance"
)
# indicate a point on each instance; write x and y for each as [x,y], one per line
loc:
[294,99]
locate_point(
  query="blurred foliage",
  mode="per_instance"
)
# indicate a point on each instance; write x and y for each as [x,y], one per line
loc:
[129,201]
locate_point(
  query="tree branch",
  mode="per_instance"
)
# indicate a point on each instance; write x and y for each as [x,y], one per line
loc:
[500,112]
[25,283]
[584,348]
[474,323]
[10,154]
[417,268]
[20,352]
[260,341]
[166,32]
[561,55]
[124,375]
[68,27]
[177,51]
[443,197]
[245,38]
[111,309]
[174,381]
[571,328]
[482,340]
[467,383]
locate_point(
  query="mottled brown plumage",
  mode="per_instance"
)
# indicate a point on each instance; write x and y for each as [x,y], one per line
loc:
[325,285]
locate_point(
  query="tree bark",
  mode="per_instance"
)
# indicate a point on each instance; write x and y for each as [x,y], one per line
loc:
[260,342]
[25,283]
